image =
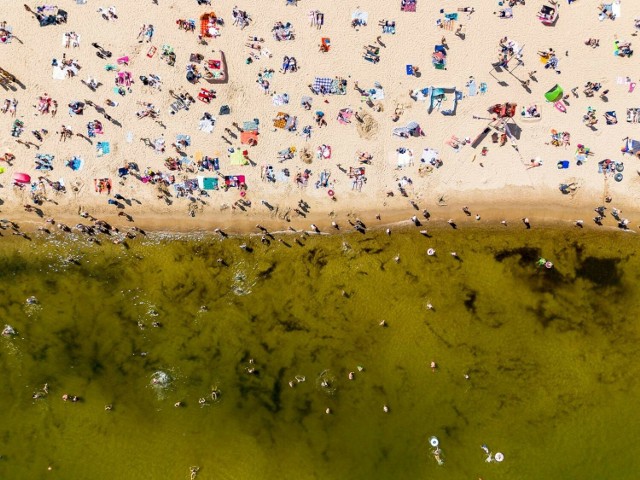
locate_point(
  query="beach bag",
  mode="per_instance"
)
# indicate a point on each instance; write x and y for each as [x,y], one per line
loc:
[225,110]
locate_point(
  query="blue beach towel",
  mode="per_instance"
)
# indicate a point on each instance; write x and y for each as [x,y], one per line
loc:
[103,148]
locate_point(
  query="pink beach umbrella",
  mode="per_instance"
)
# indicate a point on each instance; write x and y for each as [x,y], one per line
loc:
[21,178]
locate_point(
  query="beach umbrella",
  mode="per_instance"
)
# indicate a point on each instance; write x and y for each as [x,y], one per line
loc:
[554,94]
[21,178]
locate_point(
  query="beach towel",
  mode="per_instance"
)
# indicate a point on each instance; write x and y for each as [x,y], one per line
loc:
[611,118]
[483,88]
[421,95]
[102,185]
[471,86]
[249,137]
[280,99]
[563,164]
[616,9]
[103,148]
[250,126]
[281,120]
[8,37]
[206,125]
[344,116]
[183,139]
[404,158]
[408,5]
[59,73]
[361,17]
[207,183]
[410,70]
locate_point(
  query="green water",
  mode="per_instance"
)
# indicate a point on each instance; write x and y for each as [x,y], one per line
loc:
[550,355]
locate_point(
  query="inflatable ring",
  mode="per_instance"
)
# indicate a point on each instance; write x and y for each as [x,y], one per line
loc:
[619,167]
[434,442]
[499,457]
[618,177]
[548,265]
[331,193]
[431,252]
[243,194]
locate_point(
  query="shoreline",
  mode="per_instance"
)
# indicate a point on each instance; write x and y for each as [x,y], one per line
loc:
[237,224]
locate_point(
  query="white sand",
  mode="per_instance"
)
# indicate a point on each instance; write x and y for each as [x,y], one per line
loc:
[496,185]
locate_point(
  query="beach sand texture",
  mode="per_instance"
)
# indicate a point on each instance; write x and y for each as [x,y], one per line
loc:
[498,184]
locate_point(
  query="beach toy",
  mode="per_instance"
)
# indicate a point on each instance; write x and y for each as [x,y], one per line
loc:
[431,252]
[434,442]
[618,177]
[331,193]
[243,194]
[21,178]
[548,265]
[499,457]
[560,106]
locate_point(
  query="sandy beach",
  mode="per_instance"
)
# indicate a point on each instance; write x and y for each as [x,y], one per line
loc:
[496,182]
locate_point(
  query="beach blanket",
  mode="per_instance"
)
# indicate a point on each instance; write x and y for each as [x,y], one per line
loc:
[429,156]
[237,158]
[322,85]
[44,162]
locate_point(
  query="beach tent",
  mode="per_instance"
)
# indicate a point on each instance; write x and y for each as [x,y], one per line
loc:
[554,94]
[438,95]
